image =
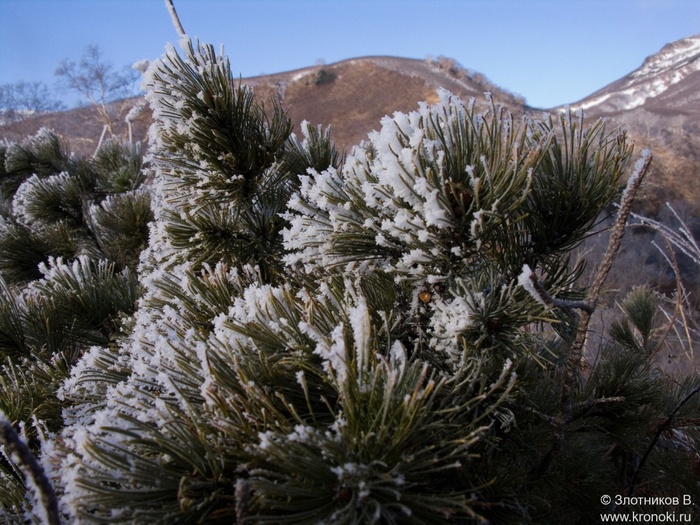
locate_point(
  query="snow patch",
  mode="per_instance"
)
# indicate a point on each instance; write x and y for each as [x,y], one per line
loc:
[656,75]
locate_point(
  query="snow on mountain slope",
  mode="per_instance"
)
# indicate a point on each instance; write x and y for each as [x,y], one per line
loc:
[676,66]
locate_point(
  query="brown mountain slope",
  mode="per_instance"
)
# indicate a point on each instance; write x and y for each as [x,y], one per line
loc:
[81,127]
[352,96]
[659,104]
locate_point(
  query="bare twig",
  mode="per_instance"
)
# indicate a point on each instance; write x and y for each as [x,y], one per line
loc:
[175,18]
[102,137]
[131,117]
[660,431]
[600,401]
[540,415]
[618,232]
[553,302]
[32,470]
[580,409]
[682,239]
[573,361]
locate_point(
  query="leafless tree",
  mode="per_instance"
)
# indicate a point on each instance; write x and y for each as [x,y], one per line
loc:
[23,99]
[100,84]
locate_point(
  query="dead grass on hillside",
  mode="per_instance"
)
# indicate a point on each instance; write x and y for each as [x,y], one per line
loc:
[81,127]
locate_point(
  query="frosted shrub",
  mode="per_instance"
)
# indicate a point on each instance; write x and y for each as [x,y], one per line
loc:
[326,338]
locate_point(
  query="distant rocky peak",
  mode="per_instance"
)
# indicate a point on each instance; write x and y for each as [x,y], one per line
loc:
[659,72]
[676,56]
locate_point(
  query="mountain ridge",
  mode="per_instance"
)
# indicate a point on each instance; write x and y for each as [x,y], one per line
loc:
[662,77]
[659,103]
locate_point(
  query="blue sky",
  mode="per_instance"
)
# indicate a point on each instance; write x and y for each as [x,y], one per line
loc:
[549,51]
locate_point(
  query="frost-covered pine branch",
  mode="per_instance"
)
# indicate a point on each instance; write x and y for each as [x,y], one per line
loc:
[46,504]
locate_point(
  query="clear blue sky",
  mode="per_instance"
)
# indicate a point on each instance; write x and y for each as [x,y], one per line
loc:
[550,51]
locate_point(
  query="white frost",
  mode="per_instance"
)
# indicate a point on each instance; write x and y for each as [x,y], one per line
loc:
[525,279]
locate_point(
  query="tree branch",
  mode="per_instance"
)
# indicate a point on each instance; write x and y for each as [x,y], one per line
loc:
[579,409]
[660,431]
[31,468]
[573,361]
[618,232]
[553,302]
[175,18]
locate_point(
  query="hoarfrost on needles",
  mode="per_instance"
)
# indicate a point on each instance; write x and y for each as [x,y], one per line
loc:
[525,279]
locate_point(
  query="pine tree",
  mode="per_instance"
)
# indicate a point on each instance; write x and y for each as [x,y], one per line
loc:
[388,336]
[71,233]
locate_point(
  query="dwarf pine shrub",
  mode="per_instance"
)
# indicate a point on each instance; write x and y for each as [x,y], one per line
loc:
[71,232]
[390,336]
